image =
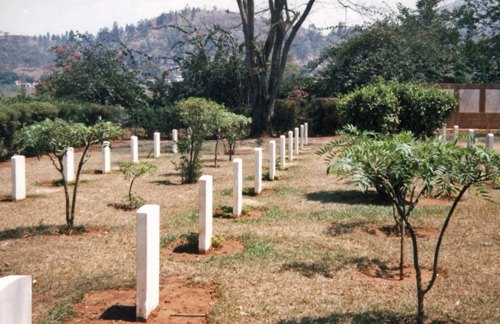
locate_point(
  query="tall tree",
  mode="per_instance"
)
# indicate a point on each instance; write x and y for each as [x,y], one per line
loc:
[266,60]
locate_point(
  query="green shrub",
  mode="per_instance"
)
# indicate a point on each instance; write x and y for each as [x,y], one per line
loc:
[389,107]
[374,107]
[16,115]
[424,109]
[159,119]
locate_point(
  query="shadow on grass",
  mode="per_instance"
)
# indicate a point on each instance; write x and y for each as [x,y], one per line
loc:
[337,229]
[351,197]
[20,232]
[367,317]
[309,269]
[119,313]
[165,183]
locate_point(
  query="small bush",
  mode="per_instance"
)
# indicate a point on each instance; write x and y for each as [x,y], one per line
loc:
[159,119]
[389,107]
[89,113]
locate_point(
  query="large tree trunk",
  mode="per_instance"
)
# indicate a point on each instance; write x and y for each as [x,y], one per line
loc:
[266,65]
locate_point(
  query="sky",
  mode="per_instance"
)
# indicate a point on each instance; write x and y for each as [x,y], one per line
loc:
[35,17]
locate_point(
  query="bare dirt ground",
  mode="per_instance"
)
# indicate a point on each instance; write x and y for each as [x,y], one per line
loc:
[302,260]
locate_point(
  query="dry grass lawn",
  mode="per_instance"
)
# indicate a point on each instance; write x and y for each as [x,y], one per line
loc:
[302,257]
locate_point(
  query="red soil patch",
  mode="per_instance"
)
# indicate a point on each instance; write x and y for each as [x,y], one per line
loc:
[118,306]
[390,231]
[190,252]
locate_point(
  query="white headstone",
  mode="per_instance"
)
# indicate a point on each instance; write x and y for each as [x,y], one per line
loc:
[455,132]
[174,140]
[237,187]
[282,152]
[290,145]
[69,164]
[18,165]
[302,139]
[490,141]
[443,133]
[134,149]
[205,220]
[257,171]
[296,141]
[157,144]
[106,157]
[272,160]
[15,300]
[471,140]
[306,133]
[147,260]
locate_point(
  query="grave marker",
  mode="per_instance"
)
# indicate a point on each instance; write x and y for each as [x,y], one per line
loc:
[443,133]
[106,157]
[205,220]
[147,260]
[134,147]
[455,132]
[272,160]
[237,187]
[257,172]
[18,165]
[490,141]
[282,152]
[306,131]
[290,145]
[157,144]
[174,140]
[471,140]
[302,134]
[69,164]
[296,141]
[15,300]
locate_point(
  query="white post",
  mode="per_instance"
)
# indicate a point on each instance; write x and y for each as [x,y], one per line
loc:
[490,141]
[290,145]
[296,141]
[471,140]
[106,157]
[302,140]
[134,147]
[282,152]
[69,164]
[237,187]
[306,131]
[15,300]
[272,160]
[147,260]
[205,220]
[455,132]
[18,165]
[157,144]
[257,171]
[443,133]
[174,140]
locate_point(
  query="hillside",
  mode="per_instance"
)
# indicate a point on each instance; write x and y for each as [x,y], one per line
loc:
[28,56]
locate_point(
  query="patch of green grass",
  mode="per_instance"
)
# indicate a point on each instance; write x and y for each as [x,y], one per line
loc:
[167,239]
[248,178]
[62,311]
[226,192]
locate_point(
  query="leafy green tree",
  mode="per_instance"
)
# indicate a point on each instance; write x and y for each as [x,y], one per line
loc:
[89,72]
[407,170]
[132,171]
[212,67]
[200,115]
[54,137]
[420,45]
[235,128]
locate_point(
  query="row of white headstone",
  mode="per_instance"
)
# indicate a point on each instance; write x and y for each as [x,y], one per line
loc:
[490,138]
[18,163]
